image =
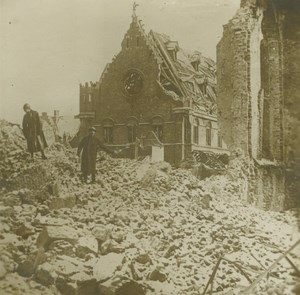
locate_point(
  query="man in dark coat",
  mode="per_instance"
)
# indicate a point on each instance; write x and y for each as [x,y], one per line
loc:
[89,146]
[32,130]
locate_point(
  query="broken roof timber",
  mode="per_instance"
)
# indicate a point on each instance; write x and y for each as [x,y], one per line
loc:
[168,62]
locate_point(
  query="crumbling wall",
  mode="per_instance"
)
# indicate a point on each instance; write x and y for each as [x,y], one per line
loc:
[291,93]
[258,97]
[291,78]
[272,69]
[238,63]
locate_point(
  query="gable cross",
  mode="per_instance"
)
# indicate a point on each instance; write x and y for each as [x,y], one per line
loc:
[134,7]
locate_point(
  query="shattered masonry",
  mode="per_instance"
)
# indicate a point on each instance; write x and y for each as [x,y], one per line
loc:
[259,97]
[144,228]
[148,228]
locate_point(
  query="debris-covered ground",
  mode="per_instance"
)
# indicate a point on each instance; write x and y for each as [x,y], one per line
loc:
[143,228]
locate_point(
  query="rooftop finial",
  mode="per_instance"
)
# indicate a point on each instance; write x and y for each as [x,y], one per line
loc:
[134,6]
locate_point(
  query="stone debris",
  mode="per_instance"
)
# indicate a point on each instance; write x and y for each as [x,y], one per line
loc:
[143,228]
[54,233]
[2,270]
[67,201]
[105,266]
[86,245]
[101,233]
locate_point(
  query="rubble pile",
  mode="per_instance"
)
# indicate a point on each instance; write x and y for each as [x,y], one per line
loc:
[143,228]
[12,149]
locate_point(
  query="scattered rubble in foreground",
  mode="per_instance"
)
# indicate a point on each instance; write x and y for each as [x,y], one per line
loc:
[143,228]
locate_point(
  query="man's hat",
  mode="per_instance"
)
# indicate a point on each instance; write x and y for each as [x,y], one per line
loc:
[92,129]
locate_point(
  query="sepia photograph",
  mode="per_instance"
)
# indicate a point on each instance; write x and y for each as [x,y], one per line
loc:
[150,147]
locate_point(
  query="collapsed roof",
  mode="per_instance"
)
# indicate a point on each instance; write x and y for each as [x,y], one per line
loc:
[190,77]
[184,76]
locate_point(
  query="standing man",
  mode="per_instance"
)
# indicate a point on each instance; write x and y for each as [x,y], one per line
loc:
[89,145]
[32,130]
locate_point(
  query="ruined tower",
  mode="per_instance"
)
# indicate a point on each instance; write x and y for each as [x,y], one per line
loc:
[258,97]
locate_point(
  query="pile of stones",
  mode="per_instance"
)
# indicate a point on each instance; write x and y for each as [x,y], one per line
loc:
[142,228]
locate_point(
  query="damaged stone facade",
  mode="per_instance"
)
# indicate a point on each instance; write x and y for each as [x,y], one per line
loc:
[259,97]
[152,85]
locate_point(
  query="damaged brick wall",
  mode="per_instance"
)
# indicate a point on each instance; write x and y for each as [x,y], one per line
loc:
[291,80]
[258,96]
[234,73]
[271,65]
[291,94]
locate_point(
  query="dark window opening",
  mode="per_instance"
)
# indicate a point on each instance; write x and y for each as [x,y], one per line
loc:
[137,41]
[127,42]
[108,134]
[187,132]
[131,133]
[208,134]
[220,139]
[196,134]
[173,54]
[267,130]
[195,65]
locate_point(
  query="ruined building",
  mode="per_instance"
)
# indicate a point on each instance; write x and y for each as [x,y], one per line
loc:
[152,86]
[258,97]
[57,127]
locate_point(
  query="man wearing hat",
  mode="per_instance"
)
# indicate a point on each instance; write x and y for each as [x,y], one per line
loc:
[88,147]
[32,130]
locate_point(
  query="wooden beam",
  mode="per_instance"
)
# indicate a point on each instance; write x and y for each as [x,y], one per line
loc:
[170,64]
[249,289]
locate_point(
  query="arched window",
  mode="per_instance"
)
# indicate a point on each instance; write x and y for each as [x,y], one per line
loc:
[108,125]
[137,41]
[208,133]
[132,129]
[157,126]
[196,131]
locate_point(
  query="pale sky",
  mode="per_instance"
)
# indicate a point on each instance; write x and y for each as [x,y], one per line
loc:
[48,47]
